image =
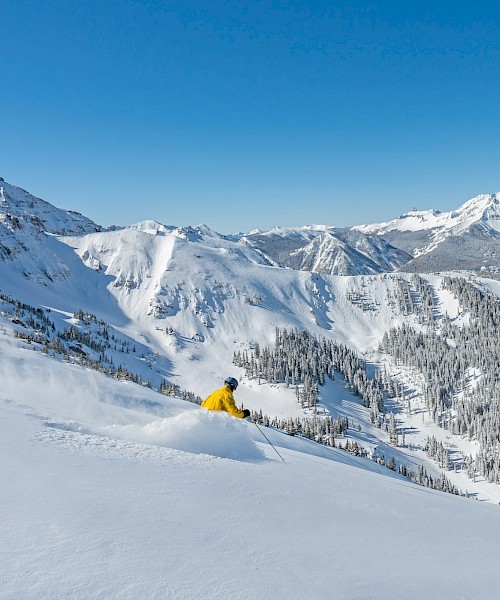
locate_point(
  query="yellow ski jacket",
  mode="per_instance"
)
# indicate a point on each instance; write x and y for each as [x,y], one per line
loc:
[223,400]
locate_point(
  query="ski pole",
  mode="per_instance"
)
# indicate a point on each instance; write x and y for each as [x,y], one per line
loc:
[268,440]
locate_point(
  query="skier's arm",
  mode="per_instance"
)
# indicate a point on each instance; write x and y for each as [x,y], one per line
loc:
[232,408]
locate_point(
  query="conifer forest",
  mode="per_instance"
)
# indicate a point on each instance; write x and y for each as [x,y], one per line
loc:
[458,360]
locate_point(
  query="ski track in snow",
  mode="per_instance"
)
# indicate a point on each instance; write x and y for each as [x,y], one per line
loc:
[108,447]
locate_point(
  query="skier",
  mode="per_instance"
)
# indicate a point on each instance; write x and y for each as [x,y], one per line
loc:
[223,400]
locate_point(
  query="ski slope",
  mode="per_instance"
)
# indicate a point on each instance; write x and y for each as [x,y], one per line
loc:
[98,501]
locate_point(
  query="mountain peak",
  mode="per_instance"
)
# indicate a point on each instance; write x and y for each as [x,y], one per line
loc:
[150,226]
[483,206]
[420,214]
[22,205]
[196,233]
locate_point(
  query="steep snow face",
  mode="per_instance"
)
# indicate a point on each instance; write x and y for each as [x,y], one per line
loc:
[186,276]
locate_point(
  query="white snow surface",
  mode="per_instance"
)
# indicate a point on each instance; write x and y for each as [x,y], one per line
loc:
[98,503]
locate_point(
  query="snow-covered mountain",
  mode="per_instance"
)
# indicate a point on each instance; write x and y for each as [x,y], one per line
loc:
[327,250]
[154,303]
[345,252]
[466,238]
[418,241]
[485,208]
[16,203]
[27,229]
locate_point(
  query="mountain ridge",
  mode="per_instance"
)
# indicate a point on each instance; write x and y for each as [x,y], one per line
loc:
[425,241]
[429,240]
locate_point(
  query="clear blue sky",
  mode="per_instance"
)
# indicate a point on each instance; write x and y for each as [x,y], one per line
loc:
[250,114]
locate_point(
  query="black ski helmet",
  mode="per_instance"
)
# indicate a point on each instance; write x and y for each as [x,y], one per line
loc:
[231,382]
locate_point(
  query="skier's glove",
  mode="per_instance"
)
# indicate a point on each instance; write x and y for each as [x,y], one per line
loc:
[246,413]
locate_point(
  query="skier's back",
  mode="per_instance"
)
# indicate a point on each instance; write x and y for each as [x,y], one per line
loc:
[223,399]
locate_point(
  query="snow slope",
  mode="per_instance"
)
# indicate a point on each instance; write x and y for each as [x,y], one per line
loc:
[96,506]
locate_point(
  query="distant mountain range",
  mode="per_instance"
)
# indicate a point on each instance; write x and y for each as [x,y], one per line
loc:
[418,241]
[330,251]
[466,238]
